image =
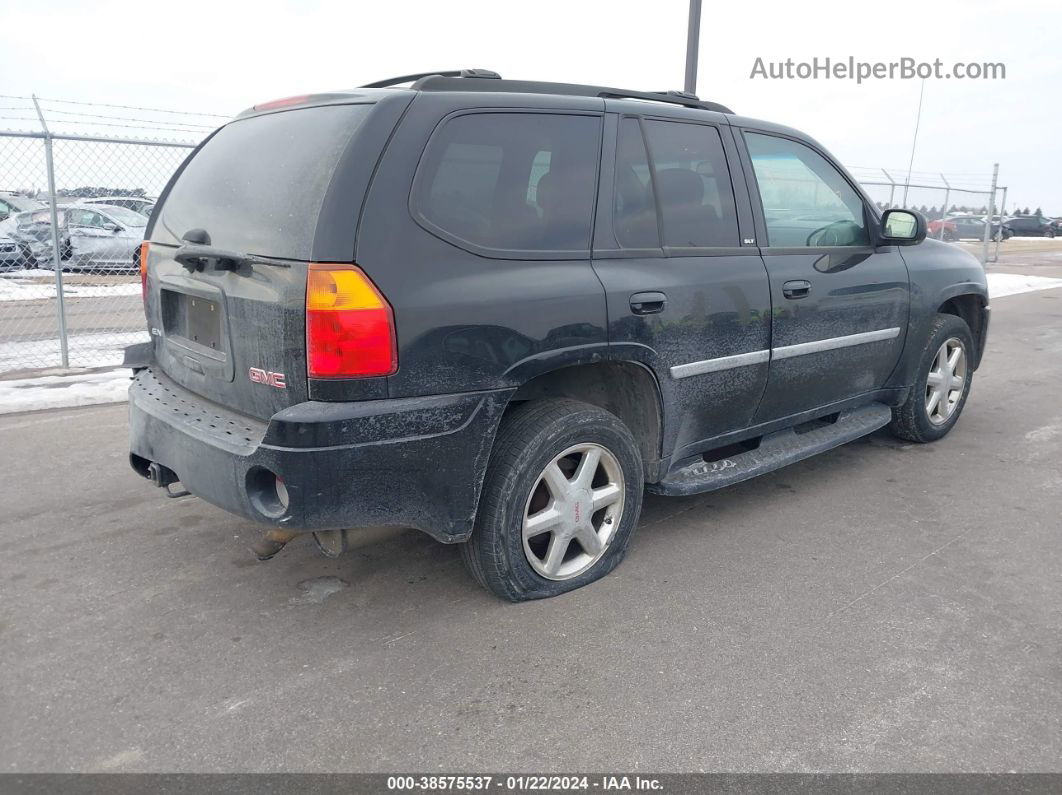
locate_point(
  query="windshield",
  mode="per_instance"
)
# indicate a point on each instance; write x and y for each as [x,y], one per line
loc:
[258,185]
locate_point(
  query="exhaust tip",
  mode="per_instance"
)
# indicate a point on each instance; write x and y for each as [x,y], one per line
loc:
[267,492]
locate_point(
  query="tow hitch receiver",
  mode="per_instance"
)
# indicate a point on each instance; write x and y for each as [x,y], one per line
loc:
[164,478]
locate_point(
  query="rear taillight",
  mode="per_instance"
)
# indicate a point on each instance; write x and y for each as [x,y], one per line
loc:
[144,248]
[350,328]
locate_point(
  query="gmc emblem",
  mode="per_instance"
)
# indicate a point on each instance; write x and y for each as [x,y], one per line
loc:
[260,376]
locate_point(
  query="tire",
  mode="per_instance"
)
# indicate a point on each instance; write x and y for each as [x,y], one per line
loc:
[913,421]
[532,436]
[1050,233]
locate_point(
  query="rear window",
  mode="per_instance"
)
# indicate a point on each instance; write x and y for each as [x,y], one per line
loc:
[258,185]
[511,181]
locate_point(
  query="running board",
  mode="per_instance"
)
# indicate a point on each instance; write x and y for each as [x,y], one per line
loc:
[775,451]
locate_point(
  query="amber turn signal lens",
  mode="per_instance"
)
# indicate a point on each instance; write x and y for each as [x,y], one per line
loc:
[350,329]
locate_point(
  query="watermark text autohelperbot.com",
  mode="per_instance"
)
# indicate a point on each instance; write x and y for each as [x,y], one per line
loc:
[851,69]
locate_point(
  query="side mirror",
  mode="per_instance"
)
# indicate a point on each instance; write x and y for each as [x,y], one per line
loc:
[902,227]
[111,227]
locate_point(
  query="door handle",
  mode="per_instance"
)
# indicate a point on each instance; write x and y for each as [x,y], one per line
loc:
[648,303]
[796,289]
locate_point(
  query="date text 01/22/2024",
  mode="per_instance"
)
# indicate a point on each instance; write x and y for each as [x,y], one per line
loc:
[523,783]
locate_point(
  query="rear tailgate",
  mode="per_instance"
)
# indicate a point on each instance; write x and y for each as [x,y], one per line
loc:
[233,331]
[214,331]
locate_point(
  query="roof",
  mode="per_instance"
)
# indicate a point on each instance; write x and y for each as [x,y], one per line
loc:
[484,80]
[481,80]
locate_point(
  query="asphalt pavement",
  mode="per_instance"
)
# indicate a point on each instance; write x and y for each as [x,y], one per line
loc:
[881,607]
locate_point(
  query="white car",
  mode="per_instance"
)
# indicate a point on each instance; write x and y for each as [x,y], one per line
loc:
[95,237]
[11,204]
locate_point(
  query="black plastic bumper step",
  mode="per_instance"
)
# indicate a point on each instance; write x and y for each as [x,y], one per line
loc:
[775,451]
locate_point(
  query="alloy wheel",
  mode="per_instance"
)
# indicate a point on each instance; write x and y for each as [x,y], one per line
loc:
[947,378]
[573,511]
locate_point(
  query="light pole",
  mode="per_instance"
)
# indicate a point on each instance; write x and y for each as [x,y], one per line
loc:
[914,141]
[693,38]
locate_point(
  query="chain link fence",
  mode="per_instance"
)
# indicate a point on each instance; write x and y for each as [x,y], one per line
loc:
[73,210]
[956,207]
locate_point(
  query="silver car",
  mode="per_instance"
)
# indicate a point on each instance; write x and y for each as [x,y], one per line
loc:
[94,238]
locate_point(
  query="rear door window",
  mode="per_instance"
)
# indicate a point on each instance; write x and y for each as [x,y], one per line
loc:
[258,185]
[692,184]
[511,181]
[634,203]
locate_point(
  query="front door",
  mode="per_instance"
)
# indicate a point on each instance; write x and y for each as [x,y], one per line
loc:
[684,296]
[840,305]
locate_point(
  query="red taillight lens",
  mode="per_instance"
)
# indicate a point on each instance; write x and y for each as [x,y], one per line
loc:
[350,328]
[144,249]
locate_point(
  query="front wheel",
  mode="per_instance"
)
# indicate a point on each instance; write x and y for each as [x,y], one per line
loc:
[942,386]
[561,499]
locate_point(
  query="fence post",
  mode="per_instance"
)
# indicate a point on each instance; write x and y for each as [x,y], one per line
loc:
[1002,210]
[64,350]
[892,186]
[947,194]
[988,221]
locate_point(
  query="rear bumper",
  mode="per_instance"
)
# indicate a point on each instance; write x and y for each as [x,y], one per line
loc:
[411,462]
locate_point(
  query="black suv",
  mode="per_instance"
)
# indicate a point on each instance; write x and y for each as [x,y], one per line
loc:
[494,310]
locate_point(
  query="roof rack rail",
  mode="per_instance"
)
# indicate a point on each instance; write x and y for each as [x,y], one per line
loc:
[447,82]
[395,81]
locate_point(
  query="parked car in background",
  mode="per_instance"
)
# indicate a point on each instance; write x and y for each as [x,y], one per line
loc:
[1031,226]
[11,204]
[950,231]
[139,204]
[972,227]
[14,255]
[32,232]
[96,237]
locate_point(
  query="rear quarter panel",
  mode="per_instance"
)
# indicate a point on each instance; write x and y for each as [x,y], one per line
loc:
[468,322]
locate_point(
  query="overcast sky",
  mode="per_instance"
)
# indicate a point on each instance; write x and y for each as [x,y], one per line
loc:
[220,57]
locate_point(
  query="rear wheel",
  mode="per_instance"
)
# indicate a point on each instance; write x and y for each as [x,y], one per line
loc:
[943,384]
[561,499]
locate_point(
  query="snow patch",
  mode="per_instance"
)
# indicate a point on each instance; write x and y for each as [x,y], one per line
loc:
[64,391]
[1001,285]
[94,350]
[26,288]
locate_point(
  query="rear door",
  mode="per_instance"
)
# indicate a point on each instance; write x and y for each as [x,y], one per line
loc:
[258,188]
[685,297]
[840,305]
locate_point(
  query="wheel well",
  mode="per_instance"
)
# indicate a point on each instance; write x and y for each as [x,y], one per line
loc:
[969,307]
[625,389]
